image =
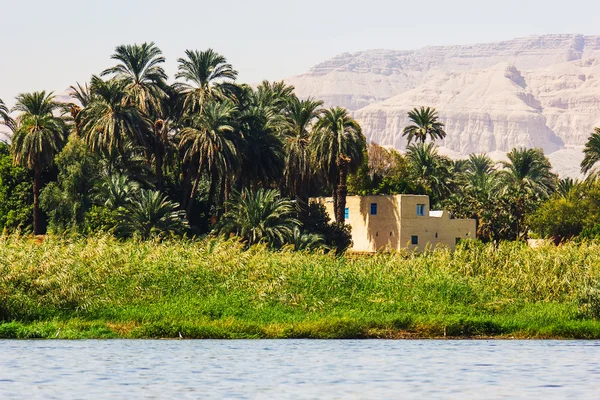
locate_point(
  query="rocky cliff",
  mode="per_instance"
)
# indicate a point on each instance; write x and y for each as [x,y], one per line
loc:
[541,91]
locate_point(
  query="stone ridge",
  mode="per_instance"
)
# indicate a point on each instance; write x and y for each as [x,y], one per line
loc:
[539,91]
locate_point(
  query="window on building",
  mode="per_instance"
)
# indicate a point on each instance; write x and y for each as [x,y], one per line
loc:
[414,239]
[373,208]
[346,213]
[421,210]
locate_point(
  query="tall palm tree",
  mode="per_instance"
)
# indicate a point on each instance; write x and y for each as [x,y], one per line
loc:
[299,118]
[259,216]
[424,124]
[527,179]
[480,172]
[82,96]
[275,95]
[529,171]
[206,75]
[5,116]
[591,151]
[108,123]
[143,77]
[338,150]
[38,137]
[210,145]
[262,152]
[145,86]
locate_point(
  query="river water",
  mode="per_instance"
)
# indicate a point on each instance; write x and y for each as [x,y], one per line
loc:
[299,369]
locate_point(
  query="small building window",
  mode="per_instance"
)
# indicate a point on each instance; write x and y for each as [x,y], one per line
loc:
[373,208]
[346,213]
[414,239]
[421,210]
[436,236]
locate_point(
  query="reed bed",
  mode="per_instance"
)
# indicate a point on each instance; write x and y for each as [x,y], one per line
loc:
[100,287]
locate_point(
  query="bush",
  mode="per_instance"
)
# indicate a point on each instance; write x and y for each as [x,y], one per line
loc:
[336,236]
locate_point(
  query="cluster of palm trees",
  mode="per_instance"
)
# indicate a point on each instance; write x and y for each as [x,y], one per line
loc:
[206,147]
[198,140]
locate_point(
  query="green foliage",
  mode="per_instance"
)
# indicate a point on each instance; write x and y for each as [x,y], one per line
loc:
[149,214]
[430,172]
[68,199]
[101,287]
[16,197]
[591,152]
[336,236]
[425,124]
[305,241]
[5,118]
[39,135]
[261,216]
[383,171]
[567,215]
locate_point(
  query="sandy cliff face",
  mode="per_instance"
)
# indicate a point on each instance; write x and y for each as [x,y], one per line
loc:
[541,91]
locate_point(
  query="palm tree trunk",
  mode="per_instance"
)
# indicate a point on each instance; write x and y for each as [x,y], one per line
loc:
[190,201]
[37,220]
[186,183]
[342,190]
[158,153]
[227,193]
[212,192]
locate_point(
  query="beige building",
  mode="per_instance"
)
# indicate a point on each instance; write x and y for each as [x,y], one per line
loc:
[400,221]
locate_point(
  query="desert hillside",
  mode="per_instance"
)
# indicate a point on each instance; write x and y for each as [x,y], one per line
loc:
[541,91]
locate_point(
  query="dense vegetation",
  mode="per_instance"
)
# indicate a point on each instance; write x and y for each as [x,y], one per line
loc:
[134,155]
[102,287]
[131,174]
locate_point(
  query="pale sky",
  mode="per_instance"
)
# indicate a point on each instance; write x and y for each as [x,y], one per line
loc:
[51,44]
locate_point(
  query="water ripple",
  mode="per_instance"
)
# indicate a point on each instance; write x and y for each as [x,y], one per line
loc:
[299,369]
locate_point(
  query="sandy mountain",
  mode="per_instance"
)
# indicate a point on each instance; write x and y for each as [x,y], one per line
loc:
[541,91]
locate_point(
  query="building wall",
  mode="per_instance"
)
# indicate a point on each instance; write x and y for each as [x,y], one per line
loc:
[397,221]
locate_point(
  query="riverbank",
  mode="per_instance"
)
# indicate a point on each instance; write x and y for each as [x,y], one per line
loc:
[103,288]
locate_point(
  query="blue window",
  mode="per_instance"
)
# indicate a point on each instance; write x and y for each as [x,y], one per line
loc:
[421,210]
[346,213]
[414,239]
[373,208]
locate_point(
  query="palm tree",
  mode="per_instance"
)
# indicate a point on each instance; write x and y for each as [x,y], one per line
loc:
[206,75]
[425,124]
[338,149]
[430,171]
[564,186]
[259,216]
[210,145]
[530,171]
[262,152]
[296,131]
[143,77]
[5,116]
[275,95]
[591,151]
[108,123]
[118,190]
[480,172]
[150,214]
[527,179]
[306,241]
[37,138]
[82,97]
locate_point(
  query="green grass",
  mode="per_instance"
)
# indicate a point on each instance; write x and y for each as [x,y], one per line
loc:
[103,288]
